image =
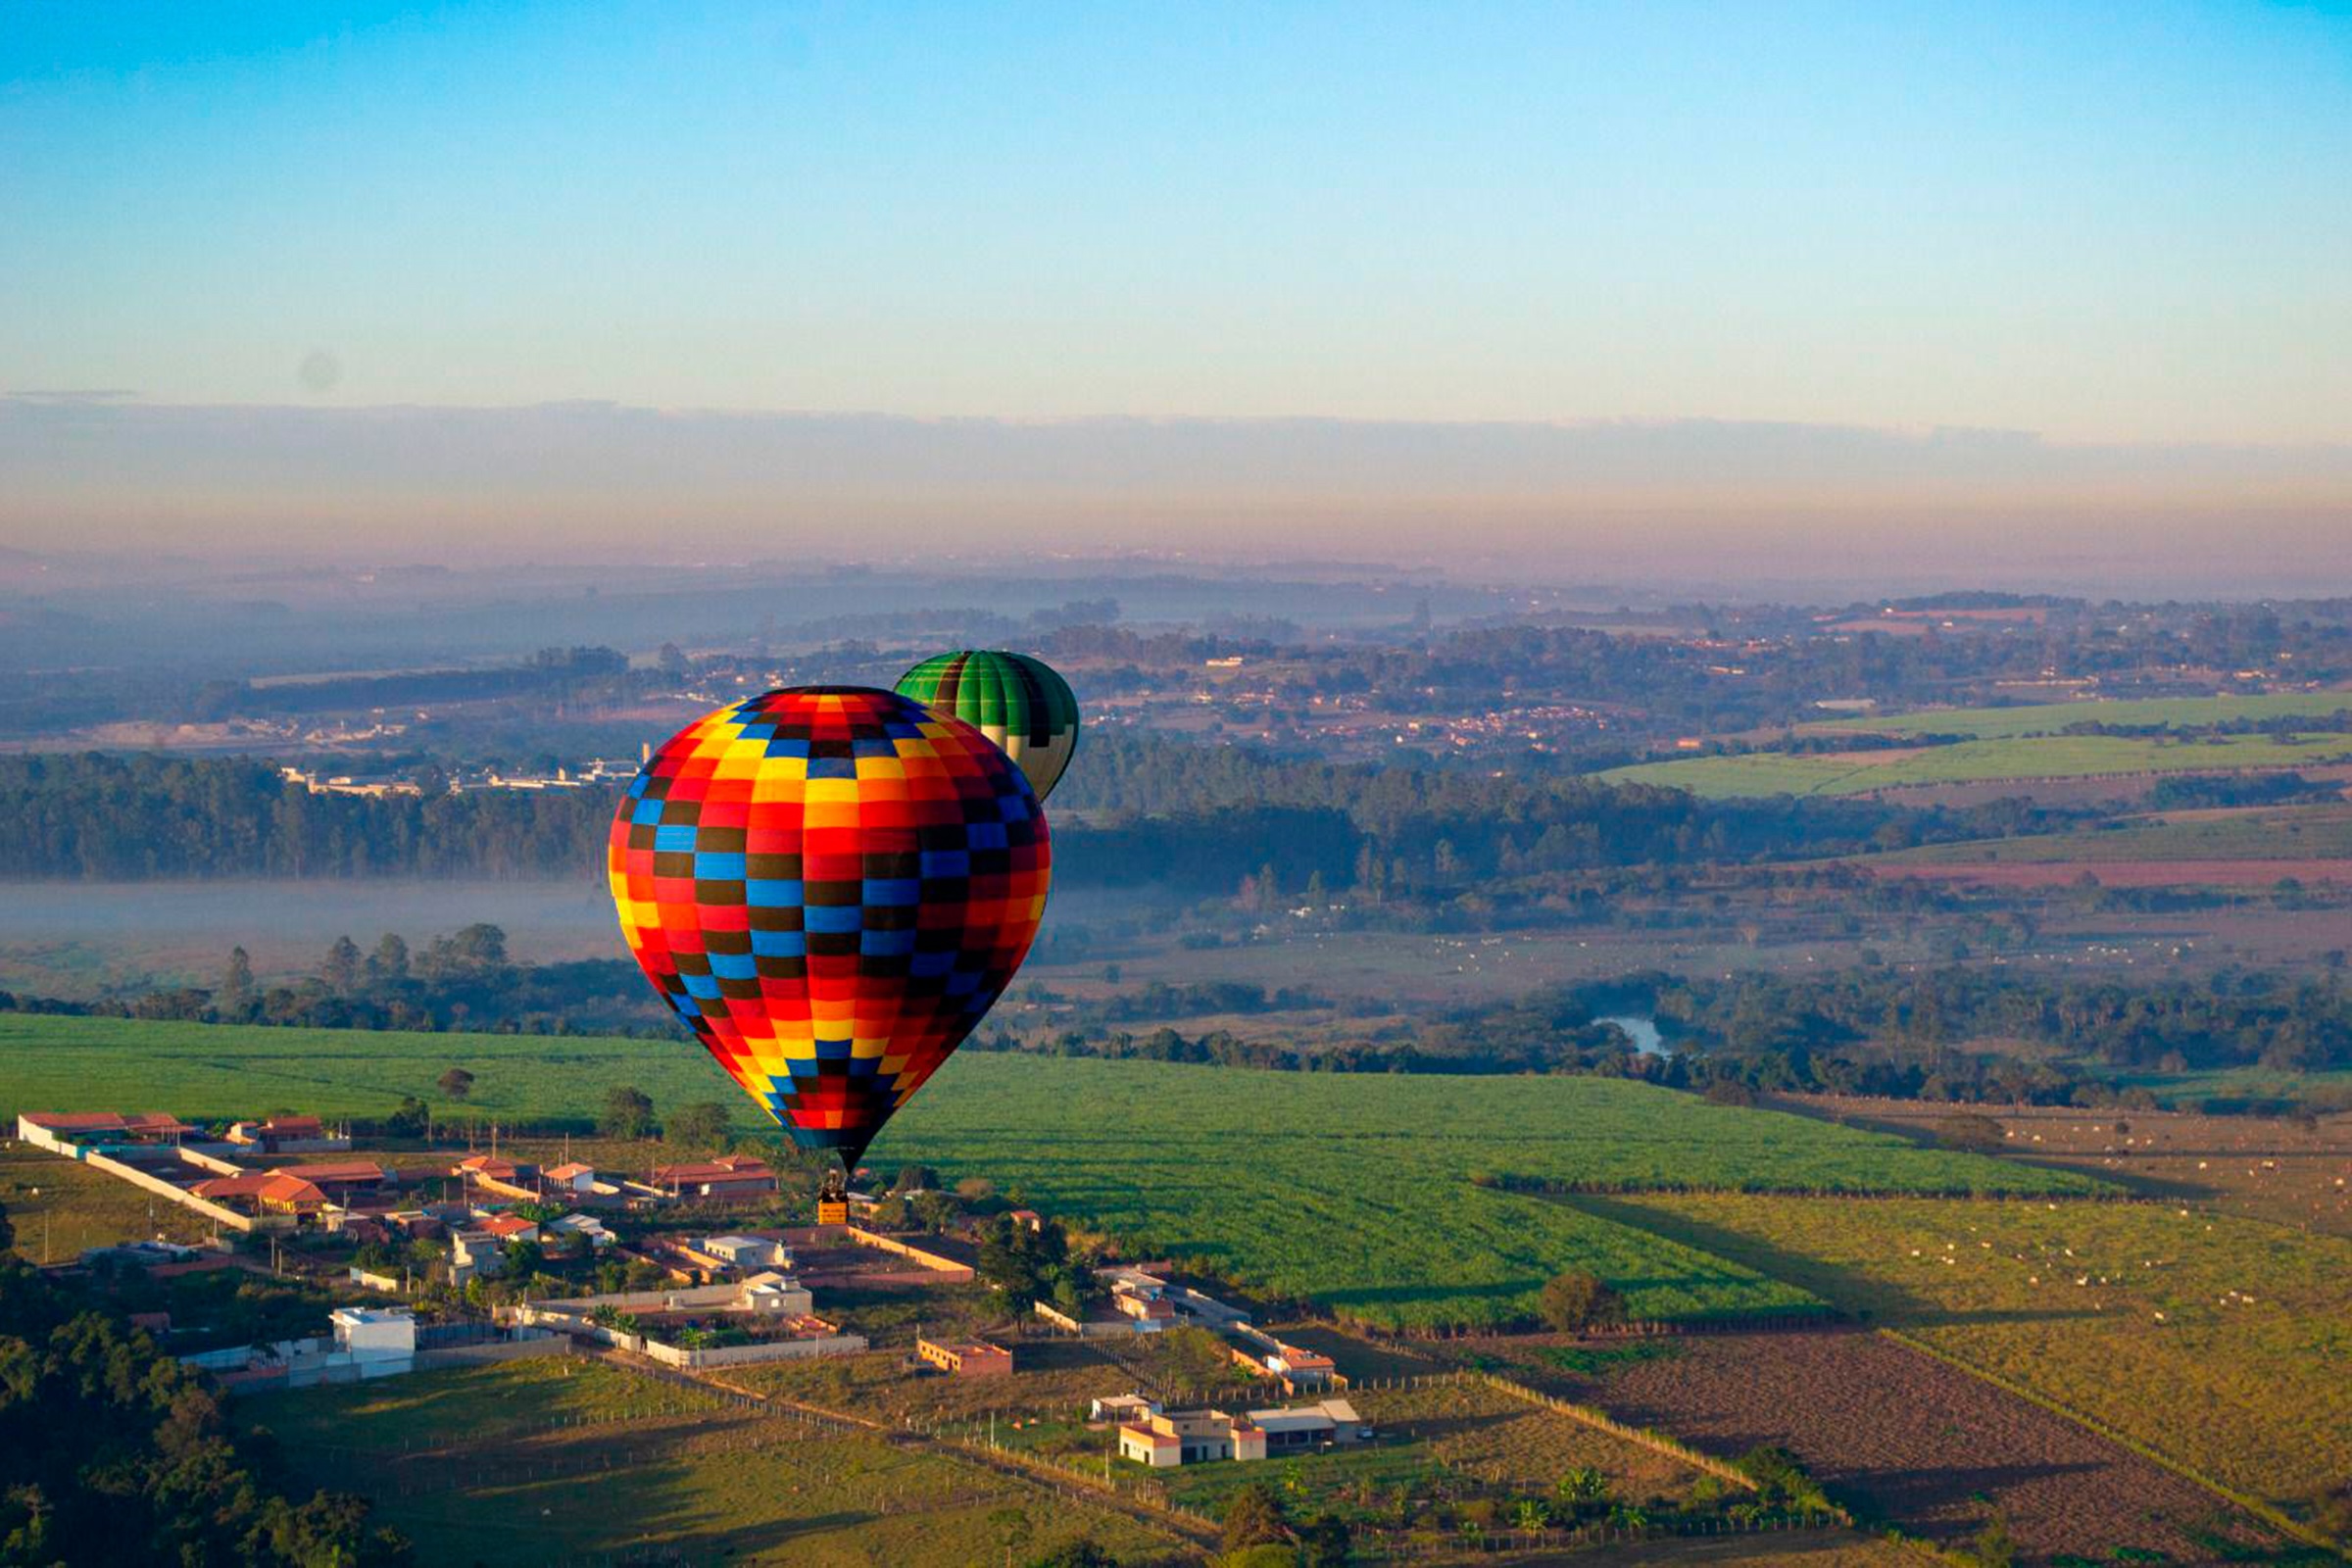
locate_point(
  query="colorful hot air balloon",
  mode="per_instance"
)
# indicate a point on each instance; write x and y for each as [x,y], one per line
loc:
[1020,703]
[830,885]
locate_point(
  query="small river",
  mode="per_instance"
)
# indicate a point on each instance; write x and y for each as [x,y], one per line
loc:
[1643,1032]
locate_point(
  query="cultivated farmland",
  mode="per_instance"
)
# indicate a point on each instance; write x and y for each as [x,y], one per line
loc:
[2223,1344]
[2052,719]
[1914,1441]
[1352,1190]
[2301,833]
[1860,772]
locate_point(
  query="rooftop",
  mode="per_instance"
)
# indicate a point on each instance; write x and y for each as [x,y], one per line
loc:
[731,1166]
[338,1170]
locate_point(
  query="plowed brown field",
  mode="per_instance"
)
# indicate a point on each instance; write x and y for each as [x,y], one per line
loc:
[1917,1443]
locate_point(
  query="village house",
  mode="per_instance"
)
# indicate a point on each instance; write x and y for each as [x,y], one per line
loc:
[576,1229]
[287,1135]
[1299,1368]
[974,1359]
[507,1229]
[473,1253]
[570,1179]
[728,1176]
[1164,1440]
[1151,1310]
[299,1189]
[1122,1407]
[494,1173]
[727,1254]
[1140,1282]
[369,1334]
[765,1295]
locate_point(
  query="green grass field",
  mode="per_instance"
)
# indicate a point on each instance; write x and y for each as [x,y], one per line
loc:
[2251,1083]
[2048,719]
[2310,832]
[547,1462]
[58,1207]
[1764,774]
[1352,1190]
[2220,1343]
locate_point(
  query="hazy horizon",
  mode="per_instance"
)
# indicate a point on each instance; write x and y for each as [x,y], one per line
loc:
[2014,296]
[1558,502]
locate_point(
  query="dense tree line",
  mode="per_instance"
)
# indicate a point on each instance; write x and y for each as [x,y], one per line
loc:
[1943,1033]
[2285,1022]
[1165,810]
[1140,809]
[114,817]
[111,1452]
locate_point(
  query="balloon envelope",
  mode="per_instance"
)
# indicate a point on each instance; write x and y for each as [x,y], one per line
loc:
[1020,703]
[830,885]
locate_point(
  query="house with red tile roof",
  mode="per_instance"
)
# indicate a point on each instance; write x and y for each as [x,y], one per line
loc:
[728,1176]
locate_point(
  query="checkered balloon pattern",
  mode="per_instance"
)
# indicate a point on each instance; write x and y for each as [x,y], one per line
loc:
[831,886]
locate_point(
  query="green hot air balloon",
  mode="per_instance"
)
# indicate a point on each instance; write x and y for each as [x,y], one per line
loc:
[1018,702]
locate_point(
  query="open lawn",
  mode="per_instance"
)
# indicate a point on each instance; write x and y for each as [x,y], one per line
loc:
[1762,773]
[519,1472]
[474,1407]
[1352,1190]
[2270,1167]
[60,1206]
[2220,1343]
[2308,832]
[2051,718]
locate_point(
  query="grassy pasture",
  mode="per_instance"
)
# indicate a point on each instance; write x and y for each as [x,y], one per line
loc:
[502,1482]
[1352,1190]
[1763,773]
[2312,832]
[2049,719]
[2220,1343]
[60,1207]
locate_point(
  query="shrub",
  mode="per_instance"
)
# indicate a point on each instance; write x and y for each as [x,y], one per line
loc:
[1577,1300]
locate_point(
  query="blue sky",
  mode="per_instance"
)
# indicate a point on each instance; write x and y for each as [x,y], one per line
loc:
[2125,224]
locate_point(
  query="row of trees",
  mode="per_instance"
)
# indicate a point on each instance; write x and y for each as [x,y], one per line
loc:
[1944,1034]
[1142,810]
[462,980]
